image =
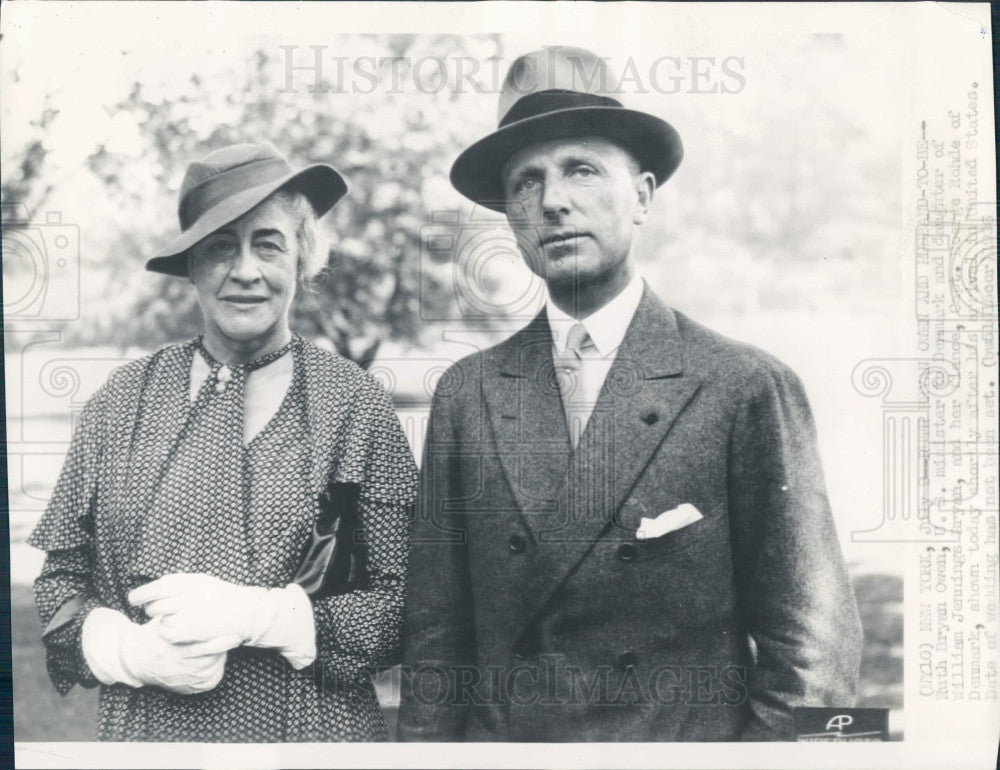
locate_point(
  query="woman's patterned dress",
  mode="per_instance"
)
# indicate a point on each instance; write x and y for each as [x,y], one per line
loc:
[155,484]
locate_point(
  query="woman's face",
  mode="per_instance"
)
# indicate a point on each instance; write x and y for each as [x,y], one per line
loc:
[245,277]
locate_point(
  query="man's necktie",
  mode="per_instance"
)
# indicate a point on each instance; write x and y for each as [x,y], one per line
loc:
[569,374]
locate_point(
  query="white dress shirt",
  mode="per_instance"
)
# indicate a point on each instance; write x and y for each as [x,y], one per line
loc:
[606,327]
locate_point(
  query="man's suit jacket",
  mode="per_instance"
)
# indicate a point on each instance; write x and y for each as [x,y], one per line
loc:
[534,613]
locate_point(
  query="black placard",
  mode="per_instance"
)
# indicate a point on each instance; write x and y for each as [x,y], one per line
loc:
[841,724]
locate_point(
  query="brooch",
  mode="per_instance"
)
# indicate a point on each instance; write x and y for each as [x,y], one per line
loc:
[223,376]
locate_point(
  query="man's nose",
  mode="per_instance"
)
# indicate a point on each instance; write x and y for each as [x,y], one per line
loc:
[555,199]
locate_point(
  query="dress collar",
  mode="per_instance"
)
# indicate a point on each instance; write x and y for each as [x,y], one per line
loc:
[257,363]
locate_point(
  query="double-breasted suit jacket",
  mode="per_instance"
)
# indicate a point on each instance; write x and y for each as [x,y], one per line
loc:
[535,613]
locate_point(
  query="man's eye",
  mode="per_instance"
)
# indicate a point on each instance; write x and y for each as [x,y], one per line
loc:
[584,171]
[269,246]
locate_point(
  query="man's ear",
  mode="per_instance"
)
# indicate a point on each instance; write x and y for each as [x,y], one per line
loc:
[645,186]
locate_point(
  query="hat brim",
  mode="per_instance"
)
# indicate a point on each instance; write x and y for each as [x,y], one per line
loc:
[655,144]
[322,185]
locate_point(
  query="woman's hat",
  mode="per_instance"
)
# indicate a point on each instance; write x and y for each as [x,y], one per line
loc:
[558,93]
[227,183]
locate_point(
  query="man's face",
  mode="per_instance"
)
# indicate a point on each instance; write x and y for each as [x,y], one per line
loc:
[573,205]
[244,274]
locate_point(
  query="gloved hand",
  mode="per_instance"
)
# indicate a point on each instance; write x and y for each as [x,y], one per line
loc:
[120,651]
[194,607]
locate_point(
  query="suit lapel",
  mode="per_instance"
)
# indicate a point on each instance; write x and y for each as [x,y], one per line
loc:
[643,395]
[528,422]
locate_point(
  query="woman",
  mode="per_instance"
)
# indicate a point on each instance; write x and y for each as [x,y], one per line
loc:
[193,483]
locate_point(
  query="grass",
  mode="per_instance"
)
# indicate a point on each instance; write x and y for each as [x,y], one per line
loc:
[40,713]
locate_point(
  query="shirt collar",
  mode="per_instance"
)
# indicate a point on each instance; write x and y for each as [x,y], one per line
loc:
[606,326]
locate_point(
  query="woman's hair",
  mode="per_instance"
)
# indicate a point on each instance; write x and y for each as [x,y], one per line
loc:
[314,249]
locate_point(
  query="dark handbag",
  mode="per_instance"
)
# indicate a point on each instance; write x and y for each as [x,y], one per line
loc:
[335,559]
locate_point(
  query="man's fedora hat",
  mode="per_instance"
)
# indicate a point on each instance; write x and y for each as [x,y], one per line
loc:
[227,183]
[558,93]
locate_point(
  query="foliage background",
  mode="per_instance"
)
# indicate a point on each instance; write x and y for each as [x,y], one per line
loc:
[791,187]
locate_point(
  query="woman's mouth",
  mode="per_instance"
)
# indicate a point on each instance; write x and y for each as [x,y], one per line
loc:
[244,300]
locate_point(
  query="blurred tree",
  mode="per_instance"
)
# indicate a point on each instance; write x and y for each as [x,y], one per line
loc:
[790,188]
[788,191]
[26,190]
[394,146]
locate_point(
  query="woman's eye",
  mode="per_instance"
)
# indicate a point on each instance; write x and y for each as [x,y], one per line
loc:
[584,171]
[221,248]
[525,186]
[269,247]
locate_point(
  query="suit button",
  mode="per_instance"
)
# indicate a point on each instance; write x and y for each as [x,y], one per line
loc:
[517,544]
[626,552]
[627,660]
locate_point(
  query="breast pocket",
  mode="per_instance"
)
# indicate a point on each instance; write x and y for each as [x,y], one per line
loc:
[688,537]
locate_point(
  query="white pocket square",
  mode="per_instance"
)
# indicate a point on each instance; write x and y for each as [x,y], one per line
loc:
[668,521]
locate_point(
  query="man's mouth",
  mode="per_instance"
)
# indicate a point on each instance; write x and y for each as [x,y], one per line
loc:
[244,299]
[559,239]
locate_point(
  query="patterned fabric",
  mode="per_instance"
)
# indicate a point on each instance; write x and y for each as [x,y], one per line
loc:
[142,494]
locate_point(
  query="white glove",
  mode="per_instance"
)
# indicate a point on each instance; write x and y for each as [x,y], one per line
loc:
[120,651]
[197,607]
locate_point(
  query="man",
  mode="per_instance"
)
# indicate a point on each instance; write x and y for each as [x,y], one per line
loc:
[623,531]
